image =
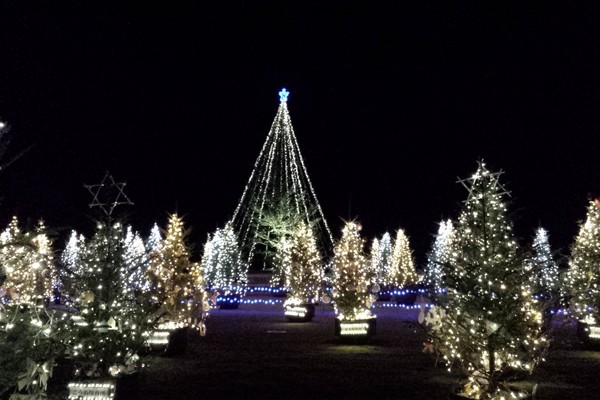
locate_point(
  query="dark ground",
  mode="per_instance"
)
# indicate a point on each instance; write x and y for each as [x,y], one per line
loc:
[254,353]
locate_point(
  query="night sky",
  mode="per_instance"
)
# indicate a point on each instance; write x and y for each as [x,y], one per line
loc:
[391,105]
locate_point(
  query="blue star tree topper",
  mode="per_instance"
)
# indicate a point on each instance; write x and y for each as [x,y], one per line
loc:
[283,95]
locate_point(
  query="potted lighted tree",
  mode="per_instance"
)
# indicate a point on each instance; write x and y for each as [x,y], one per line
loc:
[352,287]
[304,274]
[177,286]
[488,327]
[109,316]
[225,270]
[582,279]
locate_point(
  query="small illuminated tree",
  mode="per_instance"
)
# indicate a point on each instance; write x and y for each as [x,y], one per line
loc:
[352,282]
[177,283]
[441,256]
[222,262]
[488,327]
[403,272]
[28,263]
[542,268]
[154,240]
[305,269]
[582,279]
[136,260]
[70,262]
[382,261]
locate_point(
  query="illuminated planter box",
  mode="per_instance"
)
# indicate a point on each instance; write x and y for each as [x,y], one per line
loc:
[355,331]
[229,301]
[510,392]
[300,312]
[159,340]
[171,342]
[589,334]
[92,389]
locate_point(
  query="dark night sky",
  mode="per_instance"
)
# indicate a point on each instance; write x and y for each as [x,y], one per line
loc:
[390,104]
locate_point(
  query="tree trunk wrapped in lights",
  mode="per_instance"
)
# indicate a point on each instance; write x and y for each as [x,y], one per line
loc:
[582,279]
[304,274]
[353,284]
[488,327]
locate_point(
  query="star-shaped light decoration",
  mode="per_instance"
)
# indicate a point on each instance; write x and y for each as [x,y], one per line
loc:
[283,95]
[108,194]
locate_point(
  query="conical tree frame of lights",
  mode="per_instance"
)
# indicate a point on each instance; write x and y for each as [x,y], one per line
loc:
[279,173]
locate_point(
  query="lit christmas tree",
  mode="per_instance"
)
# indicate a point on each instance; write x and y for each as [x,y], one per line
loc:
[382,261]
[352,280]
[29,339]
[110,318]
[542,268]
[28,261]
[278,194]
[70,263]
[177,283]
[582,279]
[488,327]
[136,260]
[154,240]
[403,272]
[304,276]
[225,268]
[441,256]
[107,329]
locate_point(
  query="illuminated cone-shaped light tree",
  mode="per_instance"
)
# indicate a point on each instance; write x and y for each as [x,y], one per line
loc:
[440,257]
[582,279]
[304,276]
[278,194]
[352,284]
[177,283]
[488,327]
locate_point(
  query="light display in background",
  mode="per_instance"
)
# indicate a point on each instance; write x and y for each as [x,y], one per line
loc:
[440,256]
[279,174]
